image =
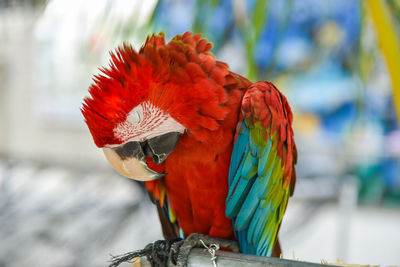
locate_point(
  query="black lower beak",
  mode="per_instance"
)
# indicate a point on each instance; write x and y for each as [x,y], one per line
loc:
[158,147]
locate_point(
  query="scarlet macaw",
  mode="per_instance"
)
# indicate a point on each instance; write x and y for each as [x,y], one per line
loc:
[216,151]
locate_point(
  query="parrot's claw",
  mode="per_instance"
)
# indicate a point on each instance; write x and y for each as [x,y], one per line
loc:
[180,250]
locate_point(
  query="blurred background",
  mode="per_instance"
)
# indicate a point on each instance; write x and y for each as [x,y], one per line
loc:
[337,61]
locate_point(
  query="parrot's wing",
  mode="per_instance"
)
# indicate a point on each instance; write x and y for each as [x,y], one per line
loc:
[261,175]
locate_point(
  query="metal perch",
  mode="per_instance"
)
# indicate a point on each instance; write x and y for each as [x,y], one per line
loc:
[199,257]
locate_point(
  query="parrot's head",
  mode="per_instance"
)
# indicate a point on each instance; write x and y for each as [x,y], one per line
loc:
[141,105]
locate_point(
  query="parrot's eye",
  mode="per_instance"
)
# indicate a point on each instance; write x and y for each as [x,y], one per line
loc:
[134,117]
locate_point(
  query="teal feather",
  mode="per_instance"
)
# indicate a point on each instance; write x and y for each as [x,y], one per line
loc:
[236,174]
[245,247]
[258,233]
[250,204]
[236,199]
[181,234]
[262,162]
[247,209]
[255,224]
[249,168]
[239,149]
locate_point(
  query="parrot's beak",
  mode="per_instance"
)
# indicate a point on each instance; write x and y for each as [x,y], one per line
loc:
[130,167]
[129,158]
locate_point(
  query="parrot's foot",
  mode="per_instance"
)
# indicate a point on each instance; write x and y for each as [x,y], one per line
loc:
[157,253]
[180,250]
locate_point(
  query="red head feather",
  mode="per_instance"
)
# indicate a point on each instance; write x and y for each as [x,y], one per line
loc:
[182,78]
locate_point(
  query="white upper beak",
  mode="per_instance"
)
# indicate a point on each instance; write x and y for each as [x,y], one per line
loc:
[130,167]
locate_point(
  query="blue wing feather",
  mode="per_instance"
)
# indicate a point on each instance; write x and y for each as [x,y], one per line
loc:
[250,204]
[240,148]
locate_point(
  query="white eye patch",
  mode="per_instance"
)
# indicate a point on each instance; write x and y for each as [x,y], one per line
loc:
[145,121]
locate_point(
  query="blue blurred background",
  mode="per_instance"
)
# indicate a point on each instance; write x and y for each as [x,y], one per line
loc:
[337,61]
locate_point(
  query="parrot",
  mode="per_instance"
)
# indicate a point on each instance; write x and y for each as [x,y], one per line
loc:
[216,152]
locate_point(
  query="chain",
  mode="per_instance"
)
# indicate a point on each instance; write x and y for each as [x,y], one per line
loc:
[212,249]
